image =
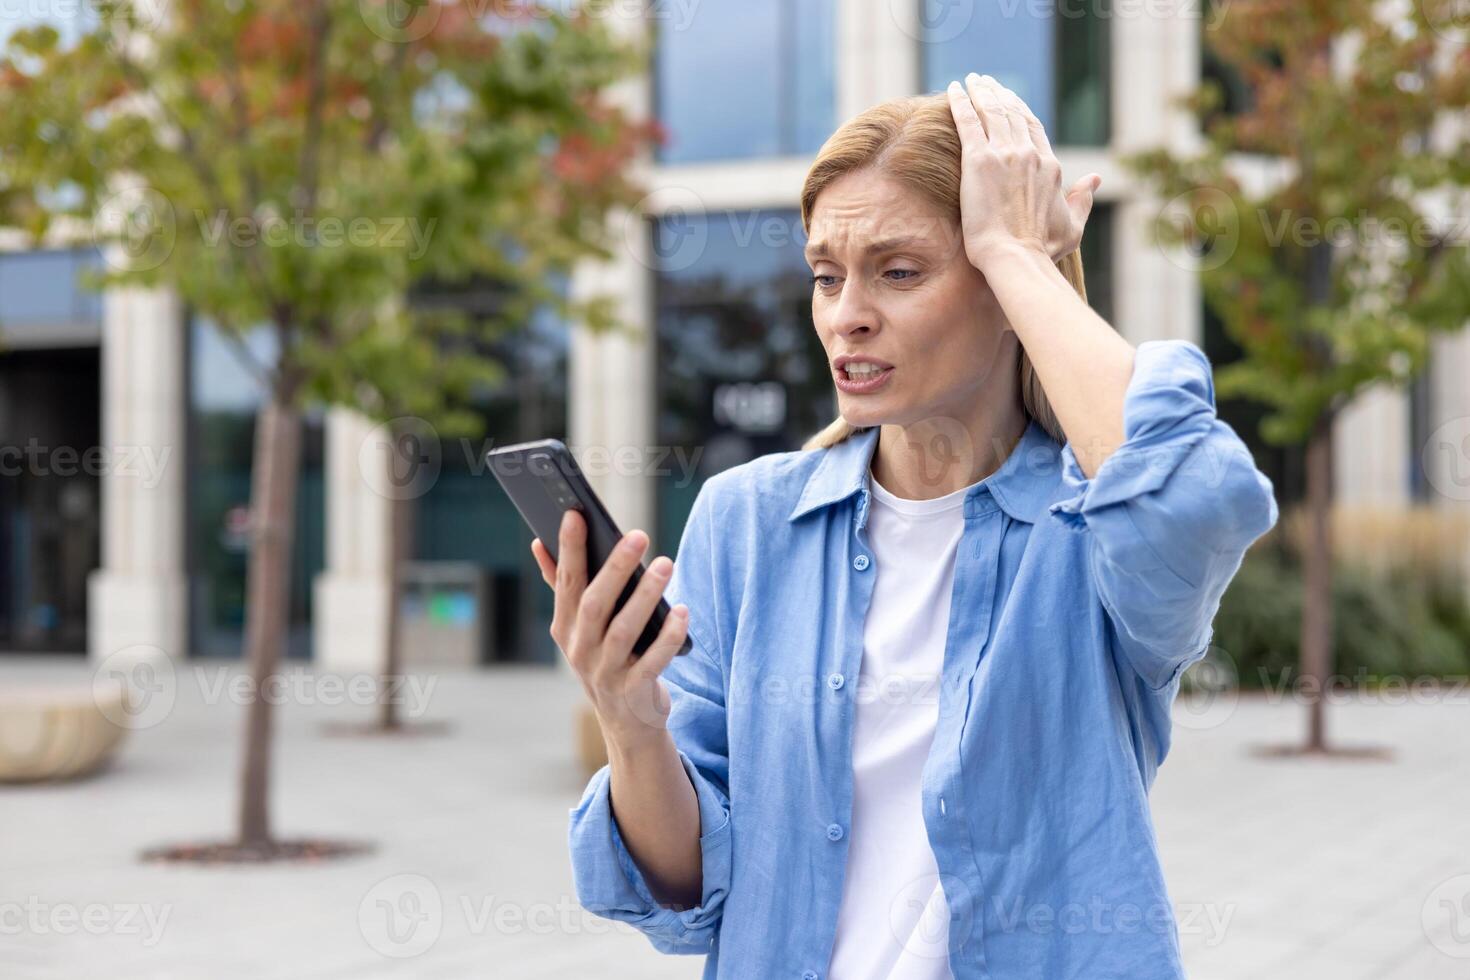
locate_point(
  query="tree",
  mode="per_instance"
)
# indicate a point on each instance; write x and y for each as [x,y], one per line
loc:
[1334,278]
[294,166]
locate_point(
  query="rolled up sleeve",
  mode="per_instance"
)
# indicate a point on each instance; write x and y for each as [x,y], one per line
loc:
[1170,513]
[608,882]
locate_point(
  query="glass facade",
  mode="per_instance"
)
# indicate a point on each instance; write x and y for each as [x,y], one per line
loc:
[750,79]
[466,516]
[740,369]
[223,400]
[1057,58]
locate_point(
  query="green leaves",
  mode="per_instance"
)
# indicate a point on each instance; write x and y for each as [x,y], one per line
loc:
[1334,274]
[306,164]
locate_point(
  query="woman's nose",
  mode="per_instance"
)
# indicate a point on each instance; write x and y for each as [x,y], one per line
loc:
[855,311]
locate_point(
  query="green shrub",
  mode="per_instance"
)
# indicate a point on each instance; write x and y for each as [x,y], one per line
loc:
[1401,624]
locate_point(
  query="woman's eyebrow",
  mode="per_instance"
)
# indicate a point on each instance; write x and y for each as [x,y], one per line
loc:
[821,250]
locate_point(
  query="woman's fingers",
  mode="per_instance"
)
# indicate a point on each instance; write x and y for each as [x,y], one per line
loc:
[629,622]
[596,607]
[1000,127]
[1035,132]
[966,119]
[1080,198]
[544,562]
[663,649]
[571,577]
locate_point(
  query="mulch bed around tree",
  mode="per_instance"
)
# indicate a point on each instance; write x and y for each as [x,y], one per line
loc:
[301,851]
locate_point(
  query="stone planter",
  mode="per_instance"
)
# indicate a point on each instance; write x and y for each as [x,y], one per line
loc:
[55,732]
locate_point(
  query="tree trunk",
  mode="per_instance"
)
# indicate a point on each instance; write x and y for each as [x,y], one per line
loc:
[274,477]
[1316,635]
[398,533]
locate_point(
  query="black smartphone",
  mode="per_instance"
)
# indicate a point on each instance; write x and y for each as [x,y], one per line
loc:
[543,480]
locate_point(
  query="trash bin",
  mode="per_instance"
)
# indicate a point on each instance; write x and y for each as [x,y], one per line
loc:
[445,616]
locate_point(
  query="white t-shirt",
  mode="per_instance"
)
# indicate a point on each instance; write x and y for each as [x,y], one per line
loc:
[893,923]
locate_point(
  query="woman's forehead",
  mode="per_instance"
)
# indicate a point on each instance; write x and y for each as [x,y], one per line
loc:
[873,212]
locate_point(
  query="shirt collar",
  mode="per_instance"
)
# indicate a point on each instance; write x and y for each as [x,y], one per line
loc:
[1022,486]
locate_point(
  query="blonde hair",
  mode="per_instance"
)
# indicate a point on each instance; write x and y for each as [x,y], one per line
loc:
[914,140]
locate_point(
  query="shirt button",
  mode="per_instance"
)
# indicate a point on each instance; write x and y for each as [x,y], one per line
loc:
[835,681]
[809,975]
[834,831]
[942,810]
[860,562]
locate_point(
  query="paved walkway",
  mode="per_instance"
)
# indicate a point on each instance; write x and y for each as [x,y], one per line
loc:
[1298,869]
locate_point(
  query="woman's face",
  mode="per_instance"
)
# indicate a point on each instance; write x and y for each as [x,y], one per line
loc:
[895,290]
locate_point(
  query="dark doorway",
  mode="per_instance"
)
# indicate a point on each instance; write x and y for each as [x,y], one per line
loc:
[51,459]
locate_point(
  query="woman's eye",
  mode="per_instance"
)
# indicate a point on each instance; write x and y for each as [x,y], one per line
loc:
[902,273]
[824,281]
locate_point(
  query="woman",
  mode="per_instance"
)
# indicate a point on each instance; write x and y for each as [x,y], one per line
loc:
[934,651]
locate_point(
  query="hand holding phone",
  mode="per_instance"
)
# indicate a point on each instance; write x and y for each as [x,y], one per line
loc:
[611,620]
[630,702]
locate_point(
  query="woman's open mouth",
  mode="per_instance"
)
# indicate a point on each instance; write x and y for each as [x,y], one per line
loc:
[861,377]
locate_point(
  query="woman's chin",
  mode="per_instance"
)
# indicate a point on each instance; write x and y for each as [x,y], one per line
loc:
[862,414]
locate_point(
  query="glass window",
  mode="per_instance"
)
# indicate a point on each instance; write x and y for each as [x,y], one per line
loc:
[1097,260]
[741,372]
[223,399]
[751,79]
[465,515]
[45,288]
[1056,58]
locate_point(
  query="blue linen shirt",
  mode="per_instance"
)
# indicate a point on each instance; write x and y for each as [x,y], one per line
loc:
[1077,604]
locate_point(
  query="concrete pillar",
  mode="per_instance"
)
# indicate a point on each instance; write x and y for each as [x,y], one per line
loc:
[611,386]
[139,594]
[1155,60]
[1446,455]
[877,54]
[1370,448]
[350,595]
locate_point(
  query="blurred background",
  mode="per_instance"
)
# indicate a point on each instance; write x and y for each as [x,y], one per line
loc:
[274,278]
